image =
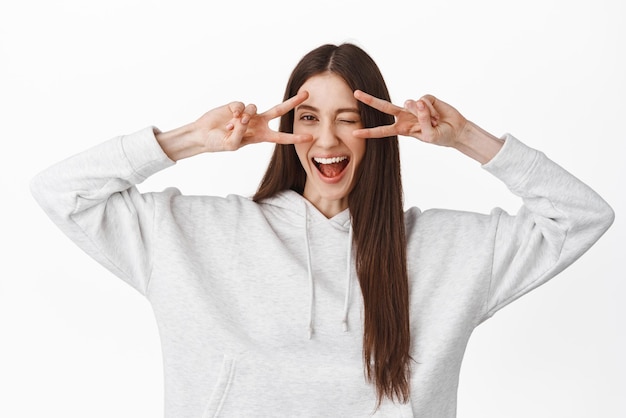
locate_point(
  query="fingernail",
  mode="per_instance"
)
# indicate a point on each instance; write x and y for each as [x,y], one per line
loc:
[245,119]
[229,126]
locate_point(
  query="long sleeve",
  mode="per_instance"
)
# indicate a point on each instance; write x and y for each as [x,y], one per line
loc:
[92,198]
[560,220]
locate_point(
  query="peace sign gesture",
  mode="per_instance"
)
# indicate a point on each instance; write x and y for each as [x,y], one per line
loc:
[431,120]
[228,128]
[246,126]
[427,119]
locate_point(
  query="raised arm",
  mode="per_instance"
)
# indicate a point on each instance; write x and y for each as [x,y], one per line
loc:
[560,219]
[93,199]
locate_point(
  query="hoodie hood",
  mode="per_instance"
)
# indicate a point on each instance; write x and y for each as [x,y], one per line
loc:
[294,207]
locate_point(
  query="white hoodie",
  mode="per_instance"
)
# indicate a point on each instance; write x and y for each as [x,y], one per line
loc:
[258,305]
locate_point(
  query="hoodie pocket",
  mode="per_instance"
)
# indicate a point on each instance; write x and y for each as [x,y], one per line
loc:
[285,385]
[220,390]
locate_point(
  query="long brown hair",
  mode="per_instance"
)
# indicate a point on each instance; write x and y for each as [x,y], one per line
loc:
[376,208]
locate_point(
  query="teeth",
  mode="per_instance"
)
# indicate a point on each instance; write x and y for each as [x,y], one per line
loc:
[332,160]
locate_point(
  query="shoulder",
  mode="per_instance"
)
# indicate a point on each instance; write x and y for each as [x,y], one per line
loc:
[448,225]
[171,202]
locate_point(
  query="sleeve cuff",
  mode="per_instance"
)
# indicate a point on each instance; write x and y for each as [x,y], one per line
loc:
[144,153]
[513,163]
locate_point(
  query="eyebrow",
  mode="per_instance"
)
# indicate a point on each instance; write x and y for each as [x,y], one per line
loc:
[341,110]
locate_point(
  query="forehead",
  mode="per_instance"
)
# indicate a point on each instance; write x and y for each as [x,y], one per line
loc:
[328,91]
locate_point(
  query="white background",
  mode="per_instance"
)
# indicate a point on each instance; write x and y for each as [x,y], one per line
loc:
[77,342]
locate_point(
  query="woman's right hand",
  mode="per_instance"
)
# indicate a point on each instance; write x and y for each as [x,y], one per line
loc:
[228,128]
[249,127]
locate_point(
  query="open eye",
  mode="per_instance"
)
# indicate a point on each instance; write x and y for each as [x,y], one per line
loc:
[308,118]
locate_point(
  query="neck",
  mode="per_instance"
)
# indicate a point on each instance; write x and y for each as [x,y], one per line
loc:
[328,207]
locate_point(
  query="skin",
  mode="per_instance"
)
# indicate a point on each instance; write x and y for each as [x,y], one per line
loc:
[433,121]
[321,130]
[228,128]
[330,115]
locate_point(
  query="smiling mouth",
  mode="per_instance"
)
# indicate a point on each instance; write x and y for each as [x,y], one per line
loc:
[331,167]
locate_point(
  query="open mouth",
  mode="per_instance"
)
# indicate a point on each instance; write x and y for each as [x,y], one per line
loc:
[331,167]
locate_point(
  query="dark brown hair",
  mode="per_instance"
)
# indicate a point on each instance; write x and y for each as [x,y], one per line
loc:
[376,208]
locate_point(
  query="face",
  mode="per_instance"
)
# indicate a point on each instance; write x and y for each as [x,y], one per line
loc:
[330,115]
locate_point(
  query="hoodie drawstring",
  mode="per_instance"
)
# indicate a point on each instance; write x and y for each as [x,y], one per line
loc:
[346,305]
[310,271]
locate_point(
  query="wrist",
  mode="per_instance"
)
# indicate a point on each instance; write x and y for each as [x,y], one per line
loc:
[181,142]
[477,143]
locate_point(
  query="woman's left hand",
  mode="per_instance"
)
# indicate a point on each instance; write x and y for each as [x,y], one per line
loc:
[427,119]
[434,121]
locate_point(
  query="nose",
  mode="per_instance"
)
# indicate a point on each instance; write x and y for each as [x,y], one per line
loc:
[326,135]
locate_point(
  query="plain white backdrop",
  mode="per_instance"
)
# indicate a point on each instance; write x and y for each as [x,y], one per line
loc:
[77,342]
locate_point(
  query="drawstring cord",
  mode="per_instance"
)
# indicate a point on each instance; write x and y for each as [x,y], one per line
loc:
[310,272]
[346,303]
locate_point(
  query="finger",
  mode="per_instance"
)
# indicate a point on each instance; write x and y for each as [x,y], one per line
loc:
[285,138]
[248,112]
[236,108]
[238,130]
[377,132]
[424,117]
[430,100]
[378,104]
[286,106]
[414,107]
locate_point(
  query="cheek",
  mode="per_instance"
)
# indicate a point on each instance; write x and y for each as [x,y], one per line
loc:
[357,147]
[301,128]
[302,151]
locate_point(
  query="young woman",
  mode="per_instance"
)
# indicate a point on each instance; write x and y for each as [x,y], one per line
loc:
[320,296]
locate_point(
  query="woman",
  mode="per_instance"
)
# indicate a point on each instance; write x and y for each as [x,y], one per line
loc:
[320,296]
